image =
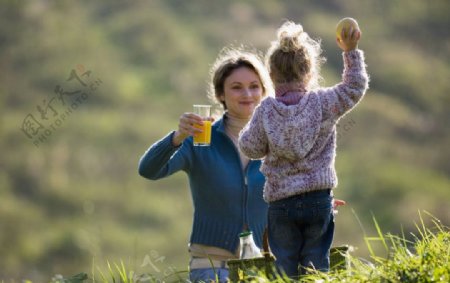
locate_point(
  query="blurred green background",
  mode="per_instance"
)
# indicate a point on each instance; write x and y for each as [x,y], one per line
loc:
[70,195]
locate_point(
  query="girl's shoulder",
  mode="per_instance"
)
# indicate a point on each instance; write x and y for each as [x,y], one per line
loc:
[268,100]
[320,92]
[265,104]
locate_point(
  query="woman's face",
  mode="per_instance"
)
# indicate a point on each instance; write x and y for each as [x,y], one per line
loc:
[242,92]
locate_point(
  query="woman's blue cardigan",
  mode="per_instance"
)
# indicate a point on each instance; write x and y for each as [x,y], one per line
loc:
[226,198]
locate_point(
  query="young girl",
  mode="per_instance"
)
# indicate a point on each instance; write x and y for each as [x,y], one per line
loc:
[295,133]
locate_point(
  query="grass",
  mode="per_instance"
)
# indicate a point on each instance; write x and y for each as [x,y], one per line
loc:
[424,256]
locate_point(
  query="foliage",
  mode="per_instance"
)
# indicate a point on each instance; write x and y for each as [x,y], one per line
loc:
[425,259]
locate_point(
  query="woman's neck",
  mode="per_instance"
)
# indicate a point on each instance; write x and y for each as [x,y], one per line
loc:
[234,124]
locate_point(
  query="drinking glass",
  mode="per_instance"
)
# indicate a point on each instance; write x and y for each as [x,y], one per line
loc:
[203,138]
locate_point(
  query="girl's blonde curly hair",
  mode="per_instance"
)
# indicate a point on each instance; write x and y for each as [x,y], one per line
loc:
[295,57]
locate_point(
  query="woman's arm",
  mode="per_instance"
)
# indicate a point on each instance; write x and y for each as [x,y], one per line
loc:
[167,155]
[163,159]
[252,139]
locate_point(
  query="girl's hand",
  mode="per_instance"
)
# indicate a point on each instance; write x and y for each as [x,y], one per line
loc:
[336,204]
[349,39]
[186,127]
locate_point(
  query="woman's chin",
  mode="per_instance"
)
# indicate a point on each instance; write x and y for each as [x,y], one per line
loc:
[249,107]
[248,113]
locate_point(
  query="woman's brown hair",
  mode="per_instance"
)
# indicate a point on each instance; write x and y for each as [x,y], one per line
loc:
[231,59]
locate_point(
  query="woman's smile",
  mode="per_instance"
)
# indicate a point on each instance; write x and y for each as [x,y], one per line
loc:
[242,92]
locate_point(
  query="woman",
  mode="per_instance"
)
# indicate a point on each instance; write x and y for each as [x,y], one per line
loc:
[226,186]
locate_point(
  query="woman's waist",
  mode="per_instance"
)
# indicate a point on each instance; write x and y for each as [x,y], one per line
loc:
[198,251]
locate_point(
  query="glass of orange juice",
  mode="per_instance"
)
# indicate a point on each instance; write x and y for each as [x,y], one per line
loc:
[203,138]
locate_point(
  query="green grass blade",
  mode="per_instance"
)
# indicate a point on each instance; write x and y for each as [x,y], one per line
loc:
[111,273]
[380,234]
[122,272]
[102,275]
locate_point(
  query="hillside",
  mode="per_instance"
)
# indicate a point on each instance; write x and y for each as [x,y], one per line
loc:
[70,196]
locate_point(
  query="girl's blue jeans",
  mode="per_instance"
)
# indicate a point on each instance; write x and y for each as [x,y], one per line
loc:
[301,230]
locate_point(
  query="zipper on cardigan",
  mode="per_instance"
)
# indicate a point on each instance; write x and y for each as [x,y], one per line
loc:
[245,226]
[245,208]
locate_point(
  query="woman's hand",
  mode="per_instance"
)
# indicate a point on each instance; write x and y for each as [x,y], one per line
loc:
[186,127]
[349,39]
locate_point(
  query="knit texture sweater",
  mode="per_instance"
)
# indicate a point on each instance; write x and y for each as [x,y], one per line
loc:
[226,198]
[298,142]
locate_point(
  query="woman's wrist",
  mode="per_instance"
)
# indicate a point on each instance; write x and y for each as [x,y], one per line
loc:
[177,138]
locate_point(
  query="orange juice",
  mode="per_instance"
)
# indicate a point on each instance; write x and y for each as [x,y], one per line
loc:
[204,138]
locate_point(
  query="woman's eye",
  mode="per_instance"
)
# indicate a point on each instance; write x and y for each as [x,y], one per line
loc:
[236,87]
[254,86]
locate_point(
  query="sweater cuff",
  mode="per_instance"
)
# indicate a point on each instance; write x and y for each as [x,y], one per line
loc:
[353,58]
[169,138]
[164,147]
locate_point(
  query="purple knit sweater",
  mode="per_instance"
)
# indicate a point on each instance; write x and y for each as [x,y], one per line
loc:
[298,142]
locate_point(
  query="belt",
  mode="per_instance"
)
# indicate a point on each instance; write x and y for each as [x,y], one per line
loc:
[201,262]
